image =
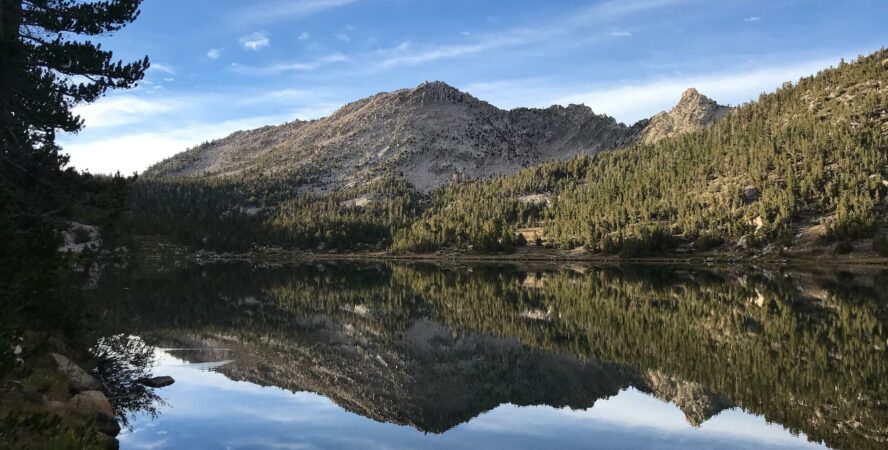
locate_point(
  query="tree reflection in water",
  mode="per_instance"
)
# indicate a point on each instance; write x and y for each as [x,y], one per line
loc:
[123,360]
[433,346]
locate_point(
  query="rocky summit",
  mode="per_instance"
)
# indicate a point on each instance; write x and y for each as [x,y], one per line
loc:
[429,135]
[693,112]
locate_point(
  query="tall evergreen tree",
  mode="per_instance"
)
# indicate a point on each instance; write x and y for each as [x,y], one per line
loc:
[47,67]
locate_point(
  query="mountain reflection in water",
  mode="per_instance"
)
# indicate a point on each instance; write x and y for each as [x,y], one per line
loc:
[339,354]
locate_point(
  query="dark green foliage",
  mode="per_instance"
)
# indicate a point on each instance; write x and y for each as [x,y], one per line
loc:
[844,247]
[707,242]
[123,360]
[45,70]
[236,215]
[45,431]
[880,245]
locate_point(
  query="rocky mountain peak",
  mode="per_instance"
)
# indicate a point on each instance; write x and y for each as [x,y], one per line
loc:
[427,134]
[691,94]
[693,112]
[437,91]
[693,99]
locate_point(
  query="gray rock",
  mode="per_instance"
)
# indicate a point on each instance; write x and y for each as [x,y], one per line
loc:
[94,406]
[426,134]
[88,403]
[78,379]
[158,382]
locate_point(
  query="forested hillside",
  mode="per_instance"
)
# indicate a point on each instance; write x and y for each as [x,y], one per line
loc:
[807,162]
[803,166]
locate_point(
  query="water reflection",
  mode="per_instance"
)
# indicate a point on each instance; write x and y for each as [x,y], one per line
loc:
[503,356]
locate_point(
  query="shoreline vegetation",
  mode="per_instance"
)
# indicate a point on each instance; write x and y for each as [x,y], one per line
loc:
[159,249]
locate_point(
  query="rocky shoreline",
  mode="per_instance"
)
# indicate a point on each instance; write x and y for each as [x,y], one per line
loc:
[57,396]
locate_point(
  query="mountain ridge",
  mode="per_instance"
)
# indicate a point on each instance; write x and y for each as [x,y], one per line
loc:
[429,135]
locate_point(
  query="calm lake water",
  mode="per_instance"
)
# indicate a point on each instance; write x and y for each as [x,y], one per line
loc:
[364,355]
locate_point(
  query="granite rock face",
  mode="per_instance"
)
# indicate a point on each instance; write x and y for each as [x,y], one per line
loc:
[428,135]
[78,379]
[693,112]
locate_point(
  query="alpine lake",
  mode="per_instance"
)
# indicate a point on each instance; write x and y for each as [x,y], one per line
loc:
[383,354]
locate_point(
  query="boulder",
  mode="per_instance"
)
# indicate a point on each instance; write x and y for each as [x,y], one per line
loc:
[78,379]
[88,403]
[157,382]
[95,406]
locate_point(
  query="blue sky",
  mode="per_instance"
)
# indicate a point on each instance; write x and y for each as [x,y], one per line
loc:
[225,65]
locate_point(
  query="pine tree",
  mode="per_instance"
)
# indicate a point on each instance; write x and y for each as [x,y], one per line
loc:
[47,68]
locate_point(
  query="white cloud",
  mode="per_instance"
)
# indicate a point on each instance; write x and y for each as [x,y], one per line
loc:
[128,133]
[621,33]
[517,37]
[304,36]
[616,8]
[214,53]
[752,19]
[279,68]
[162,68]
[434,53]
[123,110]
[136,151]
[342,37]
[283,96]
[255,41]
[281,9]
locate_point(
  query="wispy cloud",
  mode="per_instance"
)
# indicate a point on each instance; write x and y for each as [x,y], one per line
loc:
[136,150]
[130,132]
[124,109]
[160,67]
[342,37]
[752,19]
[618,8]
[399,57]
[255,41]
[279,68]
[214,53]
[261,11]
[517,37]
[304,36]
